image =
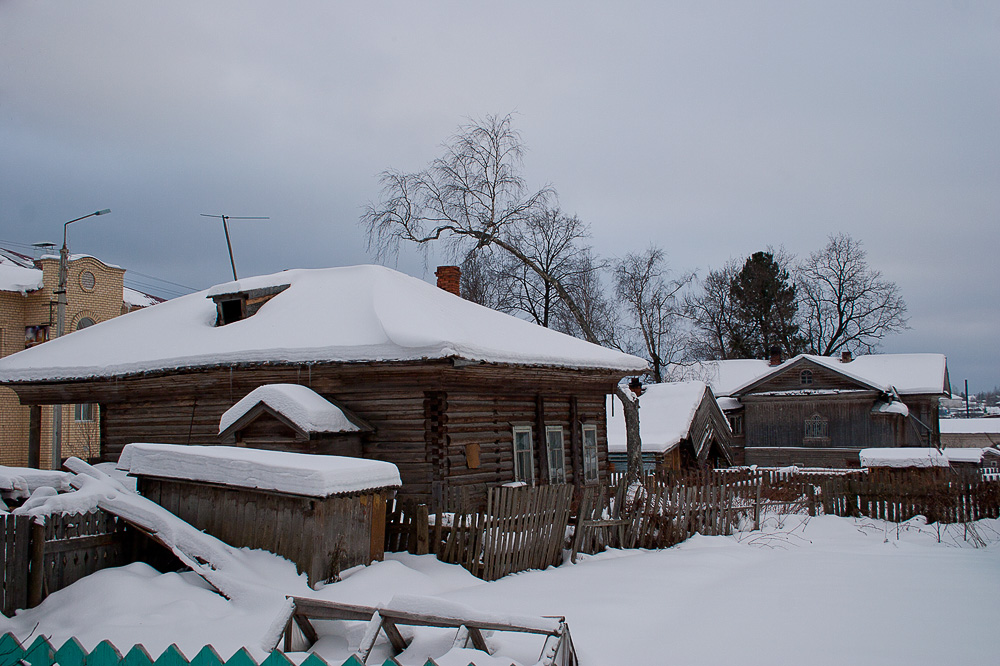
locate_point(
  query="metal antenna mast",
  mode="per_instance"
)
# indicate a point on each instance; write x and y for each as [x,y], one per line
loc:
[229,244]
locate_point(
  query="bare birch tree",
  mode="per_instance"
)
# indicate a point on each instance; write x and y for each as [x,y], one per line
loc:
[711,314]
[472,198]
[651,298]
[846,304]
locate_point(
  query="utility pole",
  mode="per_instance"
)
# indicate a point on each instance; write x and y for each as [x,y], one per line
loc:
[61,330]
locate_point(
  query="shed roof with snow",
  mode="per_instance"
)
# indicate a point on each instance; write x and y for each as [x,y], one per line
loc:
[666,413]
[913,457]
[350,314]
[279,471]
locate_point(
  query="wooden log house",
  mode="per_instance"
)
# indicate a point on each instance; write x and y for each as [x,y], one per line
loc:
[817,411]
[452,393]
[681,425]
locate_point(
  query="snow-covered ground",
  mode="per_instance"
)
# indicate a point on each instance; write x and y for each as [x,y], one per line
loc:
[822,590]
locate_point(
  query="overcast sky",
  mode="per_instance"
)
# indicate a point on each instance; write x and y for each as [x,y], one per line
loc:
[711,129]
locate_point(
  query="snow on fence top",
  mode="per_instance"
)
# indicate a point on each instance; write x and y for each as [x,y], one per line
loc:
[307,409]
[907,373]
[666,414]
[350,314]
[20,482]
[280,471]
[903,457]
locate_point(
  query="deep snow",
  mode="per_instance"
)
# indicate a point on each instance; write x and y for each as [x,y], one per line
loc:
[822,590]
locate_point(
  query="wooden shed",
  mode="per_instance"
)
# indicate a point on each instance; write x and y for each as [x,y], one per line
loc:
[681,425]
[452,393]
[325,513]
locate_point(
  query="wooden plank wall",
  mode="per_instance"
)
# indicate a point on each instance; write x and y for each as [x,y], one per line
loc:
[322,536]
[14,562]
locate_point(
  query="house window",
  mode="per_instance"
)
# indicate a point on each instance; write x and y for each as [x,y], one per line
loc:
[84,323]
[817,427]
[806,377]
[556,454]
[590,454]
[87,281]
[736,424]
[524,455]
[83,412]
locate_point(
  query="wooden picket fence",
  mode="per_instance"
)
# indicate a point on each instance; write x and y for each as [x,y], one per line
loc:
[940,497]
[38,559]
[41,652]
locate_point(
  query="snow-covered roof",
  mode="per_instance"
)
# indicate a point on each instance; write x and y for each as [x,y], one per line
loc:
[280,471]
[969,455]
[907,373]
[903,457]
[665,415]
[18,272]
[16,278]
[138,299]
[308,410]
[969,426]
[350,314]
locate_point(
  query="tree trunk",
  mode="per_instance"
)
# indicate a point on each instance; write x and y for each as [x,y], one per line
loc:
[633,444]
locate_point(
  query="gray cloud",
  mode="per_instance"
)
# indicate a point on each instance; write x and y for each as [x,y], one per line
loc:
[713,130]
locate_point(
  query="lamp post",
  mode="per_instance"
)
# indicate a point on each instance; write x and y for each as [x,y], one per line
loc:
[61,329]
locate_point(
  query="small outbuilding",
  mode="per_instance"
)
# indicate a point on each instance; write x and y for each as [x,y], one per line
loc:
[325,513]
[681,425]
[987,459]
[887,461]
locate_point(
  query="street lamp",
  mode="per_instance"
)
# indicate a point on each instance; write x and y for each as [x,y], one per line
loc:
[63,277]
[60,330]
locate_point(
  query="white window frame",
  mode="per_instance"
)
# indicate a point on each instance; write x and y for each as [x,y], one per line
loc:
[520,474]
[556,453]
[84,412]
[591,462]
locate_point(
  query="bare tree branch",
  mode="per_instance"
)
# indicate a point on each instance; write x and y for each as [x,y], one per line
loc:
[848,305]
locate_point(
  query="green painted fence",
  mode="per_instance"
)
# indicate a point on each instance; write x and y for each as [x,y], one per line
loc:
[41,653]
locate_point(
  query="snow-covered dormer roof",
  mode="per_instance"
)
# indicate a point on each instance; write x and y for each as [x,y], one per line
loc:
[304,408]
[350,314]
[908,374]
[665,415]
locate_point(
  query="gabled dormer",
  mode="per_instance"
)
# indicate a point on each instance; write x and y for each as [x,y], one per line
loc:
[237,305]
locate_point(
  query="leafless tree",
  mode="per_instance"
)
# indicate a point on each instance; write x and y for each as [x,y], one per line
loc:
[602,313]
[711,314]
[472,198]
[846,304]
[481,278]
[650,296]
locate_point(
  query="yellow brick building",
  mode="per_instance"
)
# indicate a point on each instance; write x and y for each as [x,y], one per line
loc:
[95,292]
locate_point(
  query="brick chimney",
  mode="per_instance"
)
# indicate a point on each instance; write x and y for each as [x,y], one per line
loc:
[845,357]
[775,356]
[449,278]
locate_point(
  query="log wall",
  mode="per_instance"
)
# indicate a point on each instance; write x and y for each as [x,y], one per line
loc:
[443,426]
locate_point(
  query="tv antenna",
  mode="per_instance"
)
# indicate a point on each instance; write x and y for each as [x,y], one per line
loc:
[225,225]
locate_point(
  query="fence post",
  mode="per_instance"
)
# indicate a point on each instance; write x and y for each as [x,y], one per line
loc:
[756,505]
[811,497]
[421,517]
[36,573]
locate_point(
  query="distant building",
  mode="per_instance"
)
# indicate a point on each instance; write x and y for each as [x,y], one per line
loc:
[818,411]
[95,292]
